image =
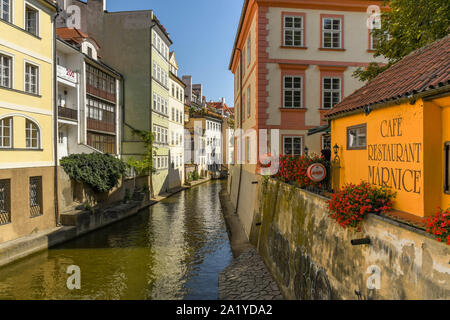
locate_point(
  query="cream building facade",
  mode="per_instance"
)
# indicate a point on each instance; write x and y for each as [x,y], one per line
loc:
[292,61]
[27,132]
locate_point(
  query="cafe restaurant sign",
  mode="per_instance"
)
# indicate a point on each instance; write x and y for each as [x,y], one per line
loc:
[395,163]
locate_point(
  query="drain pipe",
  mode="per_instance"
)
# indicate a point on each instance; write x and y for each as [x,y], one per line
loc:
[55,122]
[240,125]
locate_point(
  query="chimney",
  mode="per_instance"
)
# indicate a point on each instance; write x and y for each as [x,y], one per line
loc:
[223,102]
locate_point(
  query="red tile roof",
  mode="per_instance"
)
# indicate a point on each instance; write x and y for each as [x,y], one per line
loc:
[218,106]
[423,70]
[73,34]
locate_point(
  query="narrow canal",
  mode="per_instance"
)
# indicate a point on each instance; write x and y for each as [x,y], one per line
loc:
[173,250]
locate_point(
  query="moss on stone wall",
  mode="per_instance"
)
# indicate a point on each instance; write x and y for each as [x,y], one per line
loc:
[311,257]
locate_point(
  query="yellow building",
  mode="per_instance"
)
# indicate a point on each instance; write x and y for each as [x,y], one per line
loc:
[27,157]
[396,131]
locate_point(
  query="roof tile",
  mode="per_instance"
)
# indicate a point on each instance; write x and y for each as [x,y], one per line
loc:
[422,70]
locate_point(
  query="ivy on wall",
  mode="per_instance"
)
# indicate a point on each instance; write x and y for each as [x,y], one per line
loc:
[100,171]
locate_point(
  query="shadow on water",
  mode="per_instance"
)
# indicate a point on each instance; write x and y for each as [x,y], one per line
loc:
[173,250]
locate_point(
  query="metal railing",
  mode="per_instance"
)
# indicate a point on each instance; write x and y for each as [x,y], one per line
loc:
[5,201]
[35,197]
[100,93]
[68,113]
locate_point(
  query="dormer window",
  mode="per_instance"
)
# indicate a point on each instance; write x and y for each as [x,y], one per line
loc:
[89,52]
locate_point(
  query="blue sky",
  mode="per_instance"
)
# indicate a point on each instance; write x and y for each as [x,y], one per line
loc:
[203,34]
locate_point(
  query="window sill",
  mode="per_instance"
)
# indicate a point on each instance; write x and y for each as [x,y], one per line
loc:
[332,49]
[22,92]
[293,47]
[360,148]
[21,149]
[293,109]
[19,28]
[371,50]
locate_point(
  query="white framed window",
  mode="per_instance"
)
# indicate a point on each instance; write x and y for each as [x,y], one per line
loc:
[31,20]
[249,50]
[6,130]
[31,78]
[5,71]
[249,100]
[447,168]
[374,41]
[326,142]
[292,146]
[32,135]
[292,91]
[293,31]
[357,137]
[6,10]
[332,33]
[331,92]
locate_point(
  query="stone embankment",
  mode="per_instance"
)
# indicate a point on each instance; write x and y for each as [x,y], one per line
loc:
[247,277]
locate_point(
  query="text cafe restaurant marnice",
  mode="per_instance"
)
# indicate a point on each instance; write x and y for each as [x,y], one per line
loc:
[395,131]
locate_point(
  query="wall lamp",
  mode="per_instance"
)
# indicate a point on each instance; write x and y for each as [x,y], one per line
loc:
[306,150]
[367,110]
[358,242]
[336,149]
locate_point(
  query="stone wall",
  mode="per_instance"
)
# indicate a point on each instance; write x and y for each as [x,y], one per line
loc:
[72,192]
[311,256]
[246,203]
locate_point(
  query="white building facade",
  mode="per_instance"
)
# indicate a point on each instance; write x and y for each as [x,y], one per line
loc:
[176,125]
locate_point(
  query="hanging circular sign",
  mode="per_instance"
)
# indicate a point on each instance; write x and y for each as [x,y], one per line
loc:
[317,172]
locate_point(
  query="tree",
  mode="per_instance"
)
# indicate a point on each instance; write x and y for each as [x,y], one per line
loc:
[408,25]
[145,165]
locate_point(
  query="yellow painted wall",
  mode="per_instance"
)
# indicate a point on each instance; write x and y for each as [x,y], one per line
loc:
[24,47]
[417,175]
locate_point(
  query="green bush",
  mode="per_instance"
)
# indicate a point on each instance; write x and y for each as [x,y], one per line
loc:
[101,171]
[195,175]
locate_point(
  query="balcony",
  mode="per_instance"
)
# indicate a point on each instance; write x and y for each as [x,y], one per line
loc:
[100,93]
[67,113]
[98,125]
[67,75]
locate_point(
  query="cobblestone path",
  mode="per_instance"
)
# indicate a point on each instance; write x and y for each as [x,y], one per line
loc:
[247,278]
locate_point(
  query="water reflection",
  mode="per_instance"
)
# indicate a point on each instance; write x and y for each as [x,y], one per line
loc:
[173,250]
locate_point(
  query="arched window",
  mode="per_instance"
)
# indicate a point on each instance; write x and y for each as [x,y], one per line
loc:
[32,135]
[6,130]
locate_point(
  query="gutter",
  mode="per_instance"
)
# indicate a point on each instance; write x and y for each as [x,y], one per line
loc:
[55,123]
[244,9]
[240,125]
[425,95]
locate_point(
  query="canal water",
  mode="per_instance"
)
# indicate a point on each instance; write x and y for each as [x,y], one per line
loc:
[172,250]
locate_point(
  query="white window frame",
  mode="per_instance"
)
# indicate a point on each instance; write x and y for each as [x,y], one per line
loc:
[372,42]
[249,50]
[294,30]
[301,145]
[2,132]
[10,13]
[38,17]
[11,69]
[29,135]
[38,76]
[249,100]
[293,91]
[358,134]
[331,91]
[332,31]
